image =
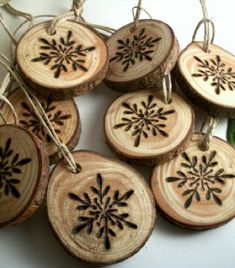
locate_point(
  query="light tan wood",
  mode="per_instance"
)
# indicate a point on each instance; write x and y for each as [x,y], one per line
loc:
[141,128]
[24,171]
[197,189]
[102,215]
[63,115]
[208,79]
[139,58]
[66,64]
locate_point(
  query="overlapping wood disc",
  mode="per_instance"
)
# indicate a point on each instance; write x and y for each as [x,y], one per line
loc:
[105,213]
[69,63]
[140,127]
[63,115]
[140,57]
[24,171]
[208,79]
[197,189]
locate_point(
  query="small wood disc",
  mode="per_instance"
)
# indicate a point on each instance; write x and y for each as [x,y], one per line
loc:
[197,189]
[102,215]
[140,57]
[140,127]
[69,63]
[63,115]
[24,171]
[208,79]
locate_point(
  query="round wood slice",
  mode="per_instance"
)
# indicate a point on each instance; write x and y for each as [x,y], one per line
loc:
[102,215]
[140,57]
[64,116]
[197,189]
[24,172]
[208,79]
[69,63]
[142,129]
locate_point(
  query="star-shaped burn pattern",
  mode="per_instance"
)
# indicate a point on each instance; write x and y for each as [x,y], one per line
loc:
[100,212]
[201,175]
[137,49]
[63,54]
[10,170]
[32,122]
[221,77]
[144,119]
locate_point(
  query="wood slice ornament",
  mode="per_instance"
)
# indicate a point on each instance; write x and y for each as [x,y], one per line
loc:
[105,213]
[141,128]
[197,189]
[141,56]
[64,116]
[208,79]
[24,171]
[70,62]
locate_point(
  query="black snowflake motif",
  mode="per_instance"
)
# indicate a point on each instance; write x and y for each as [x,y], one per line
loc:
[145,120]
[140,48]
[62,54]
[222,77]
[102,212]
[201,177]
[10,170]
[32,123]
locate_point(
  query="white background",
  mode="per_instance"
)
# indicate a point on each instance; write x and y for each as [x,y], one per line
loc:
[32,244]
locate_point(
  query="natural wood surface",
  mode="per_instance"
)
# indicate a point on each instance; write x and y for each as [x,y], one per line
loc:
[197,189]
[24,172]
[63,115]
[69,63]
[208,79]
[141,128]
[102,215]
[140,57]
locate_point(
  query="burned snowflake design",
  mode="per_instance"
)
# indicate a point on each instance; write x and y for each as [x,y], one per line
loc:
[134,50]
[221,76]
[10,170]
[32,123]
[201,175]
[144,120]
[63,54]
[100,212]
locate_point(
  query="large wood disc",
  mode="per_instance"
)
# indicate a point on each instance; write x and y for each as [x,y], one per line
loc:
[208,79]
[69,63]
[140,127]
[197,189]
[105,213]
[140,57]
[24,171]
[63,115]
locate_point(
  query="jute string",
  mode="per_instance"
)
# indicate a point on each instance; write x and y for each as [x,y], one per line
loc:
[41,114]
[208,36]
[167,88]
[212,123]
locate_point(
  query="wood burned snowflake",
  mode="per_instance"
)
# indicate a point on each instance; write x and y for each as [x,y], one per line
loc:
[222,77]
[63,54]
[31,122]
[144,119]
[201,176]
[100,212]
[11,165]
[137,49]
